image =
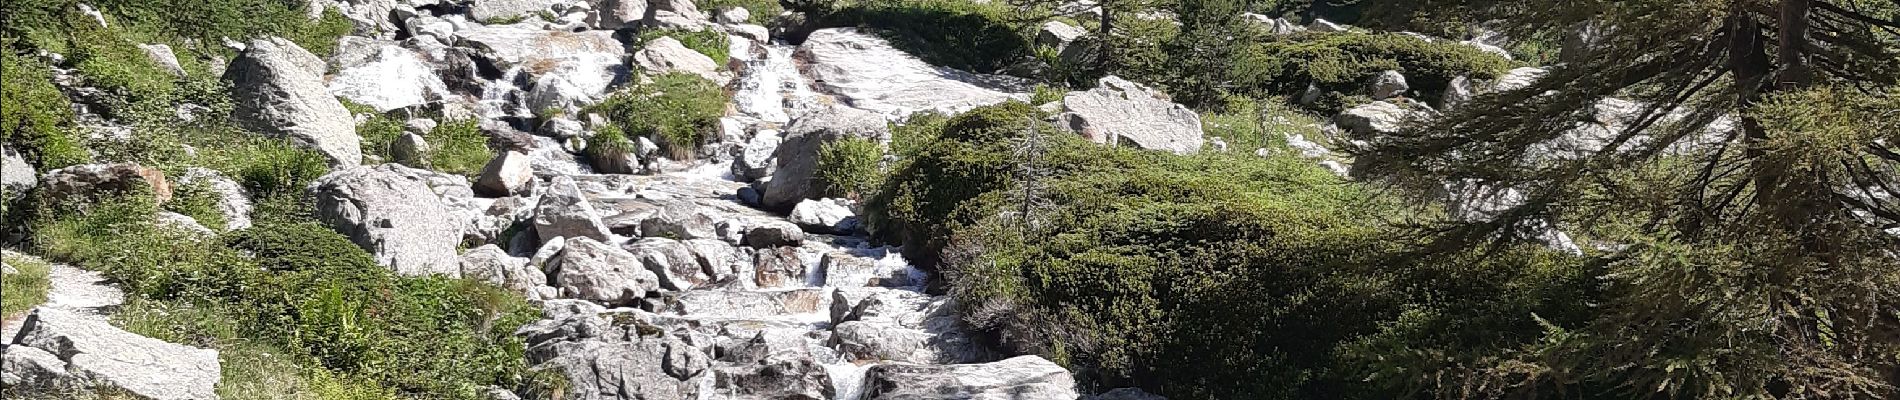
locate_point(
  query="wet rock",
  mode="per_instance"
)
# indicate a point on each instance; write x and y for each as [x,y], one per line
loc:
[749,304]
[1118,111]
[395,77]
[843,269]
[393,212]
[774,234]
[779,267]
[755,161]
[864,71]
[278,89]
[1025,377]
[774,364]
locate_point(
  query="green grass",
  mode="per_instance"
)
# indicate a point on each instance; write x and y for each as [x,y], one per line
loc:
[456,147]
[679,111]
[961,34]
[25,289]
[764,12]
[1247,125]
[713,44]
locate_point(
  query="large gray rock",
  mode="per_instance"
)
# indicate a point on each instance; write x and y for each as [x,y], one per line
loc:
[509,173]
[615,14]
[774,364]
[162,55]
[773,234]
[1375,119]
[16,176]
[865,72]
[672,261]
[232,200]
[278,89]
[394,77]
[490,264]
[565,212]
[780,267]
[94,180]
[631,361]
[1025,377]
[96,354]
[27,367]
[798,154]
[488,10]
[392,212]
[1058,35]
[754,160]
[1119,111]
[599,272]
[666,54]
[679,220]
[1389,84]
[827,216]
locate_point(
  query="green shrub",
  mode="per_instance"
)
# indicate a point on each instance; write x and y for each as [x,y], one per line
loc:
[961,34]
[677,110]
[35,117]
[25,288]
[1247,125]
[916,133]
[199,202]
[849,167]
[1345,62]
[712,43]
[1194,275]
[458,147]
[606,150]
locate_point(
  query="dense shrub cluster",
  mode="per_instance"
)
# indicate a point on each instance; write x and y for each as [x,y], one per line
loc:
[297,285]
[1195,276]
[679,111]
[849,167]
[456,147]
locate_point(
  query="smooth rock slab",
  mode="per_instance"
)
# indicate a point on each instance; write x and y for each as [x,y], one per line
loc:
[98,353]
[1118,111]
[864,71]
[392,212]
[278,89]
[1020,378]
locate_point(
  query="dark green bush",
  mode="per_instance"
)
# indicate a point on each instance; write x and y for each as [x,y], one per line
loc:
[1194,276]
[677,110]
[961,34]
[1346,62]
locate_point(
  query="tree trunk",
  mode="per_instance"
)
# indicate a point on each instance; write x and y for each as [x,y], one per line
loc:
[1748,62]
[1105,52]
[1793,51]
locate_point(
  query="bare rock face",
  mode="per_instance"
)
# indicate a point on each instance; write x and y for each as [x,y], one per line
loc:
[391,211]
[590,270]
[90,180]
[278,89]
[603,361]
[1025,377]
[1121,112]
[509,173]
[16,176]
[564,212]
[865,72]
[392,78]
[62,350]
[666,54]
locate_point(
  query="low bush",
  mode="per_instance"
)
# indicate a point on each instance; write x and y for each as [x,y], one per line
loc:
[677,110]
[294,284]
[606,150]
[848,168]
[456,147]
[35,117]
[25,287]
[1193,276]
[1247,125]
[1345,63]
